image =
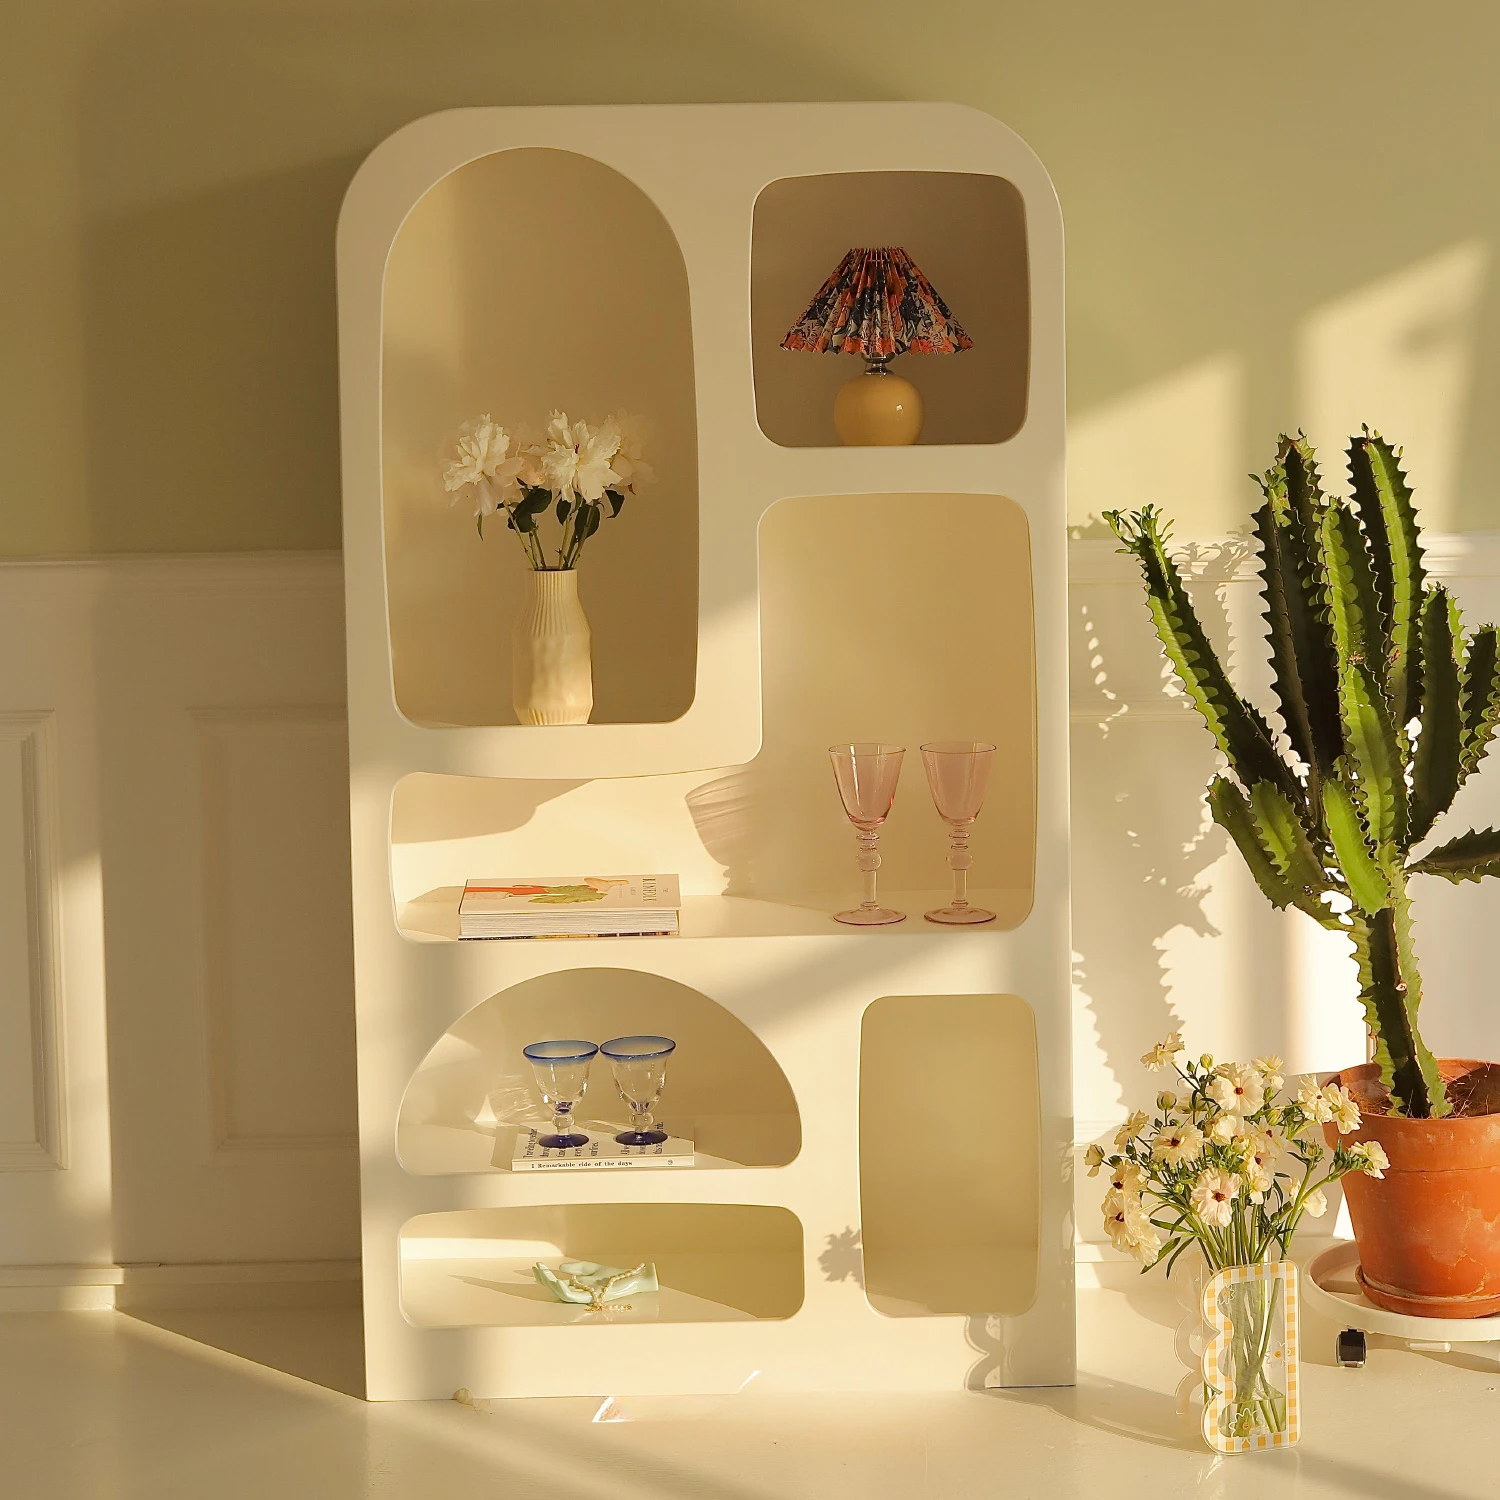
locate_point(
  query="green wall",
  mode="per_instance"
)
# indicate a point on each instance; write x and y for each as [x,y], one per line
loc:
[1277,213]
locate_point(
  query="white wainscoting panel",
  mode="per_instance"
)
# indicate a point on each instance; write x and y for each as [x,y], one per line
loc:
[172,737]
[33,1133]
[172,740]
[275,901]
[54,1101]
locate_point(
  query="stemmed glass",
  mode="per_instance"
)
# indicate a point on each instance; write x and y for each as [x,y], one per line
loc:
[640,1069]
[958,771]
[562,1077]
[867,774]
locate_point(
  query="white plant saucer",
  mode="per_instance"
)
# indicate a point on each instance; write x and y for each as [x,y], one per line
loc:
[1329,1287]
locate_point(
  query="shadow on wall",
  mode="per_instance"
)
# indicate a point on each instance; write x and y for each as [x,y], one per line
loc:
[1143,839]
[216,146]
[1170,930]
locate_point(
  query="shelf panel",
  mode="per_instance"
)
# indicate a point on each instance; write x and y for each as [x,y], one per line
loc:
[716,1262]
[434,919]
[433,1150]
[486,1292]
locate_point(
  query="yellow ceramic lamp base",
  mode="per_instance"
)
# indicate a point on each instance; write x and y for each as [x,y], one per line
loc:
[878,410]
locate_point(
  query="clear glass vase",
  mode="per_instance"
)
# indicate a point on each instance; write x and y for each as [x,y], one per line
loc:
[1249,1362]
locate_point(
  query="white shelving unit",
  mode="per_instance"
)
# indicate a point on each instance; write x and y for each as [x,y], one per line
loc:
[882,1199]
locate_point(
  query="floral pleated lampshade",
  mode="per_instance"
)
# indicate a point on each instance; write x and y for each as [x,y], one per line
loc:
[878,304]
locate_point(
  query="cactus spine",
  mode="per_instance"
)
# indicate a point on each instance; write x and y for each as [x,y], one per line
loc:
[1386,707]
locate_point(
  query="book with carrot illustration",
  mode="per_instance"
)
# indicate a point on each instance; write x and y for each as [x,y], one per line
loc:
[570,906]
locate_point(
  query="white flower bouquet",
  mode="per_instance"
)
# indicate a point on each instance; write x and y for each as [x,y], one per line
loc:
[568,479]
[1225,1166]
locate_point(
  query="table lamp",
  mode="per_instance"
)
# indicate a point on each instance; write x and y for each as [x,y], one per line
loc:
[878,304]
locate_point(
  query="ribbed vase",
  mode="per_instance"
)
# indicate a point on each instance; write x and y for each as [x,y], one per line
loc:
[552,675]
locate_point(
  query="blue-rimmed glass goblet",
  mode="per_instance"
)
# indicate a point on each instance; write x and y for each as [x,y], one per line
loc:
[562,1078]
[640,1069]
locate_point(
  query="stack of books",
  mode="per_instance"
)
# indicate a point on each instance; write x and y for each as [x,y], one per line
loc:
[570,906]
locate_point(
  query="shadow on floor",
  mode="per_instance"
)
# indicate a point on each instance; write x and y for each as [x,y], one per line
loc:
[324,1345]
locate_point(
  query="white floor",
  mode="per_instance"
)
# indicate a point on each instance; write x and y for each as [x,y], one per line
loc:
[107,1405]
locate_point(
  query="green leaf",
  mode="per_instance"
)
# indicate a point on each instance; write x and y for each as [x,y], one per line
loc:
[616,501]
[1436,767]
[1375,756]
[1471,856]
[1239,730]
[1353,605]
[526,510]
[1384,500]
[1481,699]
[1281,831]
[1346,830]
[1431,1090]
[1233,813]
[1303,660]
[563,507]
[1390,991]
[1294,489]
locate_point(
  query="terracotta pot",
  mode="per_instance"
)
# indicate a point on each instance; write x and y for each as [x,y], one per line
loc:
[1429,1231]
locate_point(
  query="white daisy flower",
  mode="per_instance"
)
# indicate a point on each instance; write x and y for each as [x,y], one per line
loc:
[1312,1101]
[1213,1197]
[1180,1144]
[1372,1155]
[1237,1088]
[1269,1068]
[1257,1181]
[1342,1109]
[1163,1053]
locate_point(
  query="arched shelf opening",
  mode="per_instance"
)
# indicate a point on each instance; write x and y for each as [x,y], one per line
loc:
[531,280]
[474,1090]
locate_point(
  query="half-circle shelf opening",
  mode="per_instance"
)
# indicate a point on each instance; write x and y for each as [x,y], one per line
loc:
[474,1091]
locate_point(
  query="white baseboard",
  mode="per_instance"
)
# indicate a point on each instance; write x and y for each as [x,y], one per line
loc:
[317,1283]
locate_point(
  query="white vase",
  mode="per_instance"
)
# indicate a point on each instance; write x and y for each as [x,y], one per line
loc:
[552,675]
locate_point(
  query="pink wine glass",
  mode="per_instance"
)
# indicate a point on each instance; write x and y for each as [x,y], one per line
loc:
[866,774]
[958,771]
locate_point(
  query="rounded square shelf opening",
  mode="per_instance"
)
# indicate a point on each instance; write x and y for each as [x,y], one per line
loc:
[526,281]
[949,1155]
[859,642]
[965,231]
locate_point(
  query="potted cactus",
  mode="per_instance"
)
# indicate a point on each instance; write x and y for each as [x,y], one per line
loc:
[1385,708]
